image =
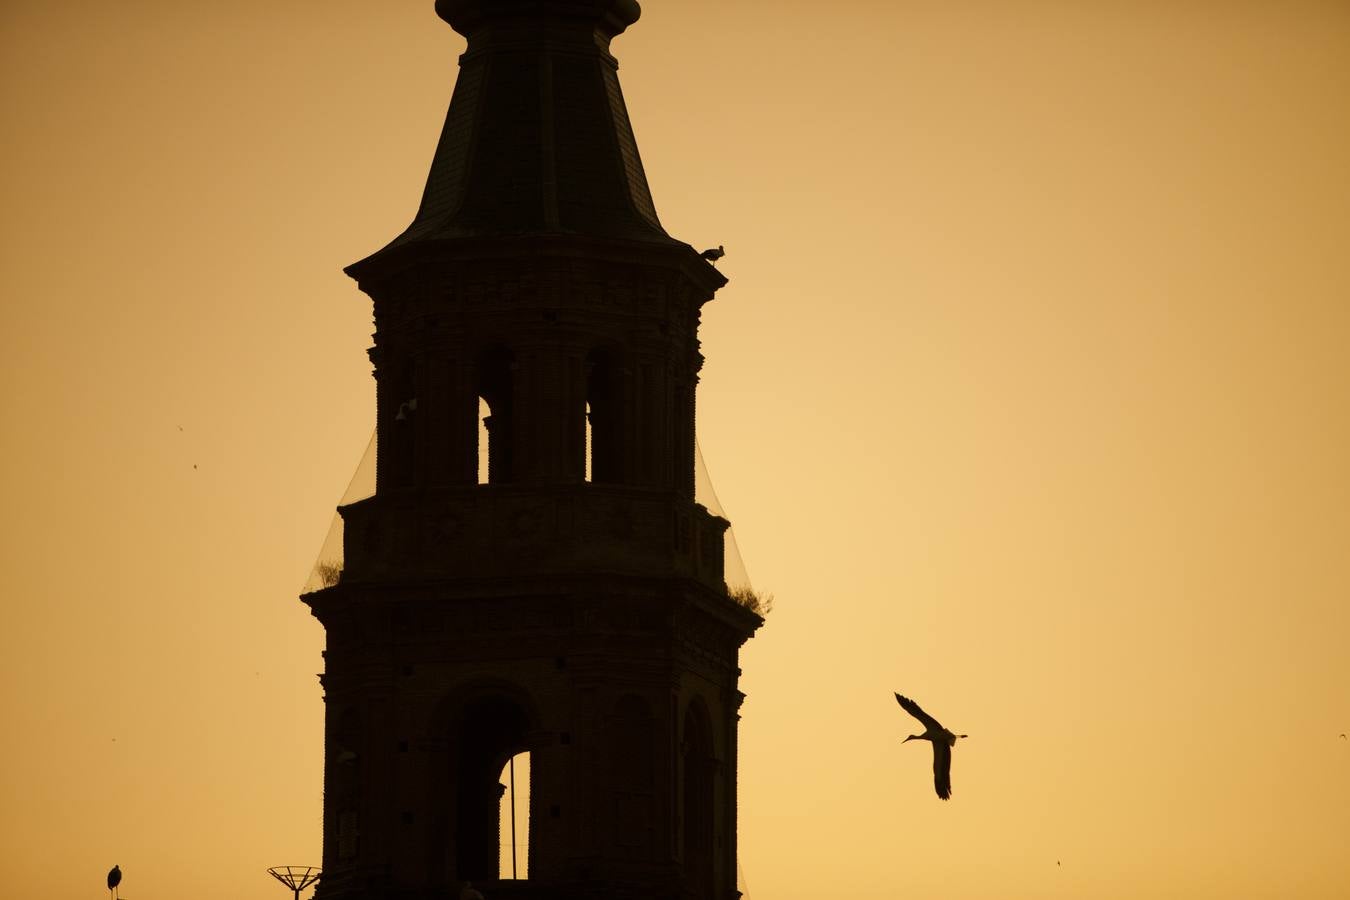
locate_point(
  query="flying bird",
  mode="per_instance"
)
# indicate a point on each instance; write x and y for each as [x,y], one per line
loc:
[713,256]
[942,741]
[114,879]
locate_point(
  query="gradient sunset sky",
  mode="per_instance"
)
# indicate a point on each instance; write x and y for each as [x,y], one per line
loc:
[1029,397]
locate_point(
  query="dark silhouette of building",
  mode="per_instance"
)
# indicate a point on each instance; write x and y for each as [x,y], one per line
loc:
[573,605]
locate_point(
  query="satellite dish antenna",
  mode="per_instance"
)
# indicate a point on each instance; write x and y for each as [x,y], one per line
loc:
[297,878]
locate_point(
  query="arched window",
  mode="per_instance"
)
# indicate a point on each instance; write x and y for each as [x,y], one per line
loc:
[491,731]
[397,459]
[698,766]
[513,818]
[682,442]
[344,782]
[590,442]
[496,391]
[604,418]
[631,771]
[484,412]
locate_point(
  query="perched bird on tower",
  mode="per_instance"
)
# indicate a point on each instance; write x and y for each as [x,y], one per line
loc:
[713,256]
[114,879]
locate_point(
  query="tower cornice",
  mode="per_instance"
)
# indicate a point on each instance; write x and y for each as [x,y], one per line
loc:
[428,259]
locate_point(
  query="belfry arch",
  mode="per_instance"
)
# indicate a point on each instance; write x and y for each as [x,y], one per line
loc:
[496,389]
[605,412]
[697,774]
[484,734]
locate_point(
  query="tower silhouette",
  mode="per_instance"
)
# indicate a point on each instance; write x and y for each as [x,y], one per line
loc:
[572,606]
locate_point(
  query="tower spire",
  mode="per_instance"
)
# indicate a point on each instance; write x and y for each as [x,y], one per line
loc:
[537,140]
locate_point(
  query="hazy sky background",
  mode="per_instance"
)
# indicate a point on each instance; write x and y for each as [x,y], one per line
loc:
[1029,397]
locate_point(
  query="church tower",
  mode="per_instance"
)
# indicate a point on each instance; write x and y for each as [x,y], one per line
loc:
[567,599]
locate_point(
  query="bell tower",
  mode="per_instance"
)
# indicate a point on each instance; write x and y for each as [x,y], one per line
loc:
[568,600]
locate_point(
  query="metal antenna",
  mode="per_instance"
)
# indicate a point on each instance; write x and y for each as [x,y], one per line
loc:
[297,878]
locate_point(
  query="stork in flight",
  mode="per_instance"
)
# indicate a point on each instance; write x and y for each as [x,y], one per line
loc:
[942,740]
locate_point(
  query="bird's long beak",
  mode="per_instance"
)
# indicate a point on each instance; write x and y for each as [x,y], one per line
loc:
[908,739]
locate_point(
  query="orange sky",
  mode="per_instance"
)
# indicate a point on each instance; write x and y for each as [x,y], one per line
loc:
[1029,397]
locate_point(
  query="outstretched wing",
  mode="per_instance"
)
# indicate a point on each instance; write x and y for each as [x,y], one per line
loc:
[942,769]
[914,710]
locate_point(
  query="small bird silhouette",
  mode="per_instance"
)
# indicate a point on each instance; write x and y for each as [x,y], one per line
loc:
[114,879]
[713,256]
[942,741]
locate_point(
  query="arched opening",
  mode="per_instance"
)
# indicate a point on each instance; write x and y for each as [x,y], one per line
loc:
[698,765]
[590,442]
[496,393]
[513,860]
[344,782]
[484,411]
[604,418]
[682,442]
[631,741]
[490,732]
[397,458]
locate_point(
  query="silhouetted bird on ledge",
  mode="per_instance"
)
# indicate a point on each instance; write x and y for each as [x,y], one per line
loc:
[713,256]
[114,879]
[942,740]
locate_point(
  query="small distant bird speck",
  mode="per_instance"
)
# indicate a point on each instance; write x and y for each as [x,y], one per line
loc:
[713,256]
[942,741]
